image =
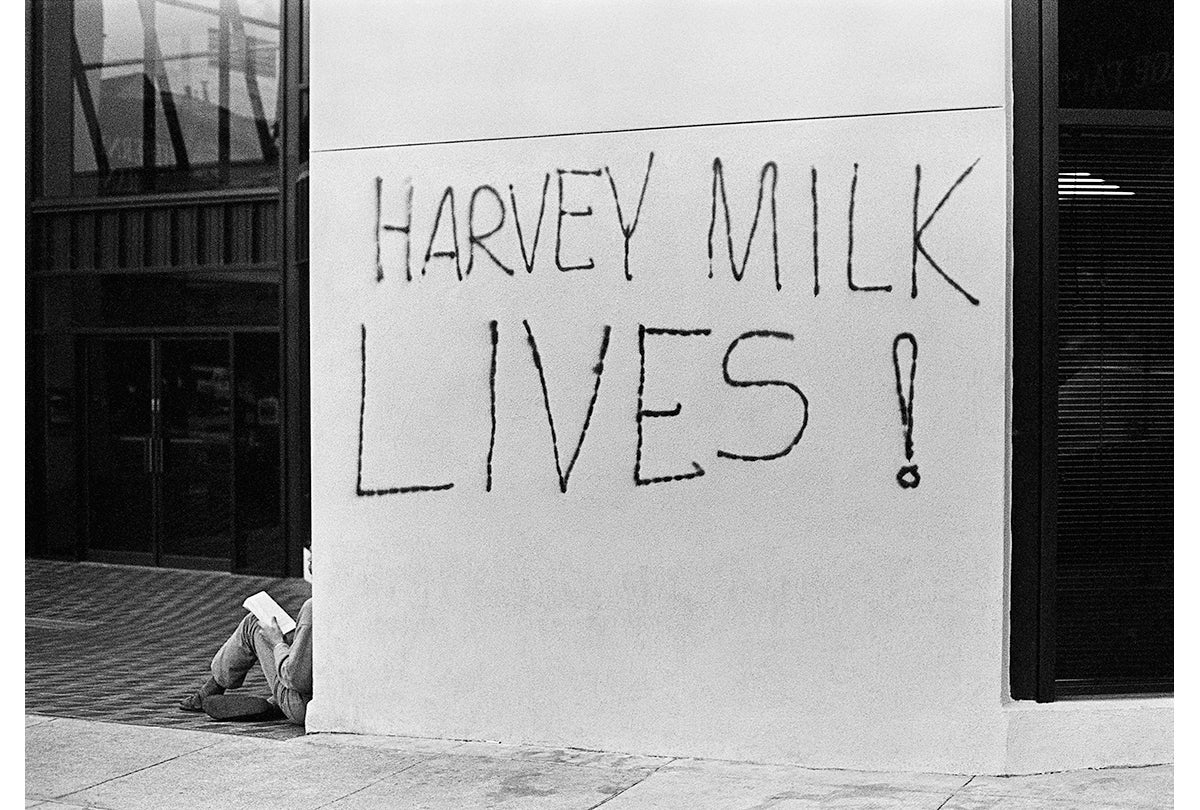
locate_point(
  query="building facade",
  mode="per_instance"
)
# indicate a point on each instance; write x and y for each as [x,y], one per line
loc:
[789,383]
[166,284]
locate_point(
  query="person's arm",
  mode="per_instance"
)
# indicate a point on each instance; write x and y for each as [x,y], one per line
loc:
[293,663]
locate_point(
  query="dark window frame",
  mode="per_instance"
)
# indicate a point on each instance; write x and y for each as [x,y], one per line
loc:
[1034,499]
[293,235]
[1035,148]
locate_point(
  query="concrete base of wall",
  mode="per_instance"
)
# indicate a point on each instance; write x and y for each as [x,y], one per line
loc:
[1032,738]
[1092,733]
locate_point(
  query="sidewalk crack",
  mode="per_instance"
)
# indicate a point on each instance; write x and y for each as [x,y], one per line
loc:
[954,793]
[138,770]
[383,778]
[608,799]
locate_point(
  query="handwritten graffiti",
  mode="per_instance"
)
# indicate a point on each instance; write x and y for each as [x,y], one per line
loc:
[443,235]
[643,413]
[908,477]
[498,234]
[362,416]
[796,423]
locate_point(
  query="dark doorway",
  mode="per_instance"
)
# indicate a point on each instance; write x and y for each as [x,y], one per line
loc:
[176,429]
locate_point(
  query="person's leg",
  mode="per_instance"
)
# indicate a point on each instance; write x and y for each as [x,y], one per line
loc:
[293,704]
[237,655]
[245,647]
[229,666]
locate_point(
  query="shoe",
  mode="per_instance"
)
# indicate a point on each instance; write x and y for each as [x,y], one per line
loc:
[192,703]
[195,701]
[241,707]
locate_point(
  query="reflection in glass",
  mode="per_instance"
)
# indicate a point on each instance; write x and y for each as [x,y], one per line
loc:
[258,414]
[175,94]
[63,450]
[120,446]
[196,463]
[1116,55]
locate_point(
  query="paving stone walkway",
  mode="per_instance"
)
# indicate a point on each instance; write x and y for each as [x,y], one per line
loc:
[124,643]
[75,764]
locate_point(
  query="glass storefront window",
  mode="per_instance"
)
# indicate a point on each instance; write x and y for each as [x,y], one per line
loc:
[173,95]
[1116,55]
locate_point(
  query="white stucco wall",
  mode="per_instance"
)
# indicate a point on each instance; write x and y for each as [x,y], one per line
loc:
[804,609]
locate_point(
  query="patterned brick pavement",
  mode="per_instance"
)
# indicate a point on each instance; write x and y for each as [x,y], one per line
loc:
[124,643]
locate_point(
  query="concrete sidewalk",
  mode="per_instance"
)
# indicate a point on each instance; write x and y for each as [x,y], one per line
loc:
[74,763]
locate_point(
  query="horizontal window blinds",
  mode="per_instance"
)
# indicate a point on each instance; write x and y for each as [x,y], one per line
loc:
[1115,411]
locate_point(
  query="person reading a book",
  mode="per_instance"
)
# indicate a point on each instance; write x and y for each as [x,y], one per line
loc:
[285,658]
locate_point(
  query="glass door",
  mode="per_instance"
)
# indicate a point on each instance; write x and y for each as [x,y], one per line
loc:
[160,445]
[120,445]
[194,452]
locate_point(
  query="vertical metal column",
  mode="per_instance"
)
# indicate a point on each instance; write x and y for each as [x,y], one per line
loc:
[223,122]
[149,105]
[1034,360]
[294,249]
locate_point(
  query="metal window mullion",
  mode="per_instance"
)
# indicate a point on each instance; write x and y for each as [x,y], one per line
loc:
[231,344]
[1026,457]
[223,117]
[157,431]
[214,12]
[149,91]
[88,106]
[265,141]
[1047,564]
[162,83]
[295,432]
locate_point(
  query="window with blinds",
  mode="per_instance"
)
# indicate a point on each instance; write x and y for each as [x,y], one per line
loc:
[1092,511]
[1114,405]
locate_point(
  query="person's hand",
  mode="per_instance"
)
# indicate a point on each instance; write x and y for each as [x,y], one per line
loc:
[271,632]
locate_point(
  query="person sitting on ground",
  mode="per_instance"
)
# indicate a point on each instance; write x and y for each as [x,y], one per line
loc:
[288,667]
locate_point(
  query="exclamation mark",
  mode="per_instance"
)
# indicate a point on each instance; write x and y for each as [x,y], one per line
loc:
[908,477]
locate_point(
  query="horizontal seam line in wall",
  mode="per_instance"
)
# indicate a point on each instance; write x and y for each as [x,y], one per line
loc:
[655,128]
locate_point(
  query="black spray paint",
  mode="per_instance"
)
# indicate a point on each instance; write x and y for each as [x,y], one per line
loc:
[378,218]
[816,260]
[495,331]
[729,380]
[480,229]
[627,231]
[475,239]
[718,184]
[850,246]
[430,253]
[571,212]
[362,415]
[405,229]
[529,257]
[643,413]
[917,247]
[908,477]
[598,370]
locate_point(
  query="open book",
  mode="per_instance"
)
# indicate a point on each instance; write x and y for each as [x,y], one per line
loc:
[265,608]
